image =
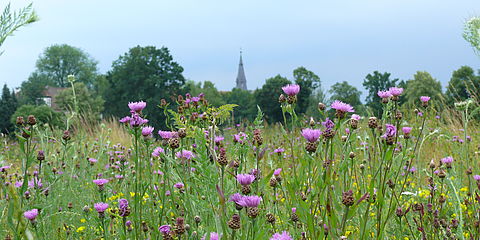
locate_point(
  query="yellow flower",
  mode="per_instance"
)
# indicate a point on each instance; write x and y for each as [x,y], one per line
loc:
[454,215]
[80,229]
[172,214]
[132,194]
[83,220]
[464,189]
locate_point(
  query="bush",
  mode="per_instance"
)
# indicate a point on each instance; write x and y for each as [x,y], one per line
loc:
[44,115]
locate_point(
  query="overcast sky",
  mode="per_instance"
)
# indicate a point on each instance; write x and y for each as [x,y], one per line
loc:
[338,40]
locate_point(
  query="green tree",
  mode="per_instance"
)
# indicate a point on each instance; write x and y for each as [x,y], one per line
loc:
[88,103]
[346,93]
[11,21]
[213,96]
[309,82]
[246,109]
[143,73]
[8,105]
[423,84]
[377,82]
[59,61]
[267,98]
[463,84]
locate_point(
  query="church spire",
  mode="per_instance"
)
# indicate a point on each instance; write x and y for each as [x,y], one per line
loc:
[241,80]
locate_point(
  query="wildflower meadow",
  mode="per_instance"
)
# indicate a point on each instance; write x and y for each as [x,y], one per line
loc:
[407,174]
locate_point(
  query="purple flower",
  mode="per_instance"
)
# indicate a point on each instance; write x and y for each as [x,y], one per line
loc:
[390,131]
[395,91]
[214,236]
[437,117]
[250,201]
[236,198]
[277,172]
[240,137]
[291,89]
[384,94]
[157,151]
[185,154]
[311,135]
[4,168]
[147,131]
[279,150]
[100,182]
[164,229]
[100,207]
[328,123]
[179,185]
[342,107]
[245,179]
[420,114]
[406,130]
[294,210]
[218,139]
[31,214]
[125,119]
[137,106]
[92,160]
[476,177]
[136,120]
[281,236]
[447,160]
[424,99]
[167,134]
[356,117]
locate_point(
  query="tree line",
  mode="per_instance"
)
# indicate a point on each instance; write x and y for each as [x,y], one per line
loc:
[151,74]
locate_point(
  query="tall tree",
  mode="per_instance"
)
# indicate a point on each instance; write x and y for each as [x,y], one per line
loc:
[87,102]
[346,93]
[462,85]
[309,82]
[8,106]
[11,21]
[267,97]
[423,84]
[377,82]
[246,109]
[143,73]
[59,61]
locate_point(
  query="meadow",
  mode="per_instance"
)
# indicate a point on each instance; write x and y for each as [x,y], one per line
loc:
[411,173]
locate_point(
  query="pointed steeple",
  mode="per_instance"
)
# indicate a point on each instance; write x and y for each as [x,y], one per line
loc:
[241,80]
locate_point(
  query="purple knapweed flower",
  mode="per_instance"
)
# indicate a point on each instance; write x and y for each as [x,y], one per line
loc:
[179,185]
[390,130]
[476,177]
[185,154]
[92,160]
[291,89]
[100,207]
[277,172]
[100,182]
[406,130]
[167,134]
[328,123]
[395,91]
[250,201]
[164,229]
[137,106]
[311,135]
[31,214]
[424,99]
[157,151]
[342,107]
[241,138]
[218,139]
[279,150]
[384,94]
[214,236]
[147,131]
[236,198]
[356,117]
[447,160]
[281,236]
[245,179]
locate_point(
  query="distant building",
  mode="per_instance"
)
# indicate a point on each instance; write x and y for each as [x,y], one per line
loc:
[49,95]
[241,80]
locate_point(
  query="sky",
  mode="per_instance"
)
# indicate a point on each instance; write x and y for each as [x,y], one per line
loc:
[338,40]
